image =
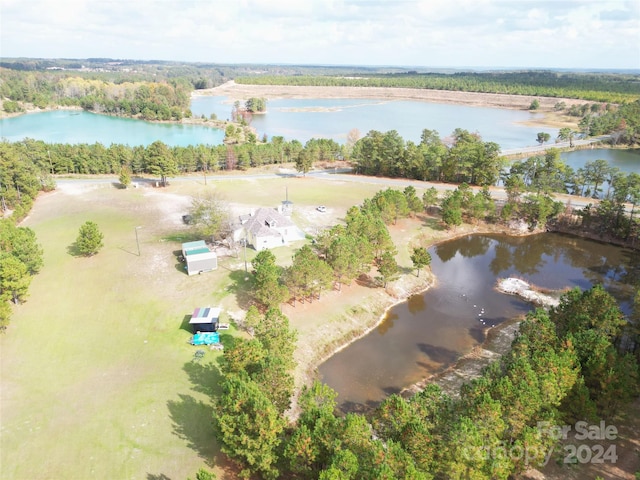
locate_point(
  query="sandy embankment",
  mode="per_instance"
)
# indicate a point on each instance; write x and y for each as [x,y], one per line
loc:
[520,288]
[237,91]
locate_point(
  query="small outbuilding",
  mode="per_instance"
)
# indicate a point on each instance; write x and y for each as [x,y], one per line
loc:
[198,257]
[205,319]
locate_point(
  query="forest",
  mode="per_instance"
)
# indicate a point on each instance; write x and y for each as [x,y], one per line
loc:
[155,90]
[575,362]
[149,100]
[152,90]
[618,88]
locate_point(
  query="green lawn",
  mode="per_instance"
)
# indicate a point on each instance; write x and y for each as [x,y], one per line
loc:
[98,379]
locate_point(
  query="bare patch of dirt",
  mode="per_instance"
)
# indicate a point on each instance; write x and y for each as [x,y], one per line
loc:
[521,102]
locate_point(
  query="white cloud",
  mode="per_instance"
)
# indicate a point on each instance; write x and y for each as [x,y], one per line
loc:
[407,32]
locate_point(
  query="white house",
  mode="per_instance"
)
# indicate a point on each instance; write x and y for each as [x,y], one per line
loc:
[266,228]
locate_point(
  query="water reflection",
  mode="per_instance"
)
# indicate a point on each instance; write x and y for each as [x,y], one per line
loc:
[387,323]
[429,332]
[416,303]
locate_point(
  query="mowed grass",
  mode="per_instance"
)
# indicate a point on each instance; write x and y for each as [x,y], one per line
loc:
[97,373]
[97,378]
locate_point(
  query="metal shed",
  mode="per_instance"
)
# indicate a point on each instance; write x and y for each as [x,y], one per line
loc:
[205,319]
[198,258]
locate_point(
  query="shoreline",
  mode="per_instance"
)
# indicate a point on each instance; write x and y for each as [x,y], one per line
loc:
[236,91]
[32,109]
[544,116]
[476,359]
[309,372]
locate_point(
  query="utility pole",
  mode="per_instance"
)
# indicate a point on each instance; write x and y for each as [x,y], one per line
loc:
[137,241]
[245,254]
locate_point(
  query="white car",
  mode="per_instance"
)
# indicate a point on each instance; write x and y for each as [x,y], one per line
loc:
[321,208]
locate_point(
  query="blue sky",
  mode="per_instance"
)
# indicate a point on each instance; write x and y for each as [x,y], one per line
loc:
[440,33]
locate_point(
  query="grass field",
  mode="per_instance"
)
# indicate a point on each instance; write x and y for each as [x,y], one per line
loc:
[98,378]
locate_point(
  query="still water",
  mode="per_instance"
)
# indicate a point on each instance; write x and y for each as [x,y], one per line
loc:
[625,160]
[427,333]
[64,126]
[303,119]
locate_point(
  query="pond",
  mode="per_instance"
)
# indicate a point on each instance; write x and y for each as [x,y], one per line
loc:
[430,331]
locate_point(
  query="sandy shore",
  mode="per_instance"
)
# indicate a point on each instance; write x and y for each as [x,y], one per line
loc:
[520,102]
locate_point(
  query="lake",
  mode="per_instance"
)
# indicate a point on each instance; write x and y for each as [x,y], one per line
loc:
[625,160]
[68,126]
[303,119]
[430,331]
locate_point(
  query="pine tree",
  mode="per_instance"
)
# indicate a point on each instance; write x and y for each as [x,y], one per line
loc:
[420,258]
[89,241]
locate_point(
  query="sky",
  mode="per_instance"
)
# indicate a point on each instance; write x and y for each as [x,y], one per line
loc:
[573,34]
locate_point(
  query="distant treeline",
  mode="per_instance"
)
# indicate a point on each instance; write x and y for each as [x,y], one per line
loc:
[161,90]
[593,87]
[148,100]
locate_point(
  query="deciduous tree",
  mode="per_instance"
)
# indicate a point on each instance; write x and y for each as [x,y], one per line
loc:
[211,215]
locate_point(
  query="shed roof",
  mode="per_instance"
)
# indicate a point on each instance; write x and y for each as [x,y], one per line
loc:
[205,315]
[196,251]
[194,245]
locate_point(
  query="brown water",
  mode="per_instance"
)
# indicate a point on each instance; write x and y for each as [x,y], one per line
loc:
[429,332]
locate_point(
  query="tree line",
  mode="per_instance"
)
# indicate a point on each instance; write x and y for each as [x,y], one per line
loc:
[465,158]
[564,366]
[149,100]
[96,158]
[21,257]
[618,88]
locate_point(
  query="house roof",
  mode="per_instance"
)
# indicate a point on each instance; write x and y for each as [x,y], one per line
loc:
[264,222]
